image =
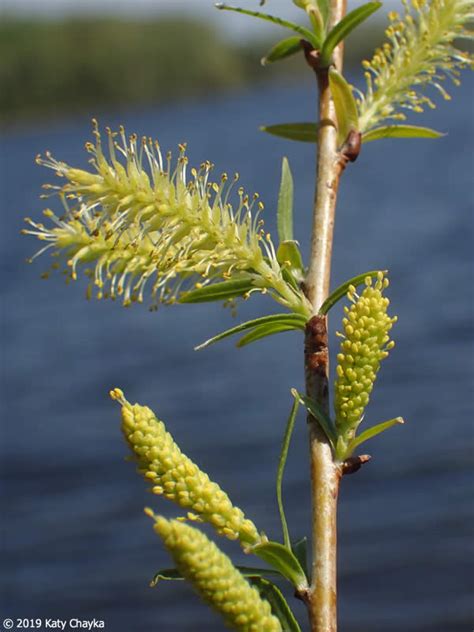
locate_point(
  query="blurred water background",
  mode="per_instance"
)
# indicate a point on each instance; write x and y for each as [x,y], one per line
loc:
[75,542]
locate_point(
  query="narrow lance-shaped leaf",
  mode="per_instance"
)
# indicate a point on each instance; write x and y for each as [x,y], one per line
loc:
[278,603]
[370,433]
[400,131]
[300,550]
[294,321]
[345,105]
[173,574]
[344,27]
[287,275]
[289,257]
[285,203]
[317,22]
[302,132]
[166,574]
[263,331]
[306,33]
[218,291]
[282,50]
[323,6]
[283,560]
[281,468]
[321,417]
[342,290]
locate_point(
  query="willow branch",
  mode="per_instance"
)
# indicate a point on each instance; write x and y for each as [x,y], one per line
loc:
[325,474]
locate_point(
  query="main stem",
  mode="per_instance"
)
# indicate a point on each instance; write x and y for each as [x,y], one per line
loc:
[325,474]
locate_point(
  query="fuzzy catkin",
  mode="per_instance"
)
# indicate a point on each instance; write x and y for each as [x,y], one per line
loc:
[135,224]
[215,578]
[365,344]
[421,52]
[176,477]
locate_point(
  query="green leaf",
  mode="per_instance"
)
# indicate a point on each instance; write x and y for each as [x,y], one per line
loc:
[344,27]
[345,105]
[263,331]
[282,50]
[250,571]
[372,432]
[317,22]
[166,574]
[324,421]
[323,6]
[285,203]
[172,574]
[284,561]
[400,131]
[289,278]
[342,290]
[218,291]
[289,258]
[306,33]
[278,603]
[303,132]
[294,321]
[281,468]
[300,550]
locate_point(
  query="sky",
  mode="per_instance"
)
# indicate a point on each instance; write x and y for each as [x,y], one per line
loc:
[239,25]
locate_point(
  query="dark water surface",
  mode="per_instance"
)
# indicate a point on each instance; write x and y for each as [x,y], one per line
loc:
[75,540]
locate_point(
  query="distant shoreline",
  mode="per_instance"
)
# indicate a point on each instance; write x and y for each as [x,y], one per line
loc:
[60,68]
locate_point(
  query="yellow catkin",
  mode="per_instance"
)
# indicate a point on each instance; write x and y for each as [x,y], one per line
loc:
[421,52]
[365,344]
[146,225]
[215,578]
[173,475]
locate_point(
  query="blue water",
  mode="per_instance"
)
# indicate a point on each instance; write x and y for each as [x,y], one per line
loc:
[75,540]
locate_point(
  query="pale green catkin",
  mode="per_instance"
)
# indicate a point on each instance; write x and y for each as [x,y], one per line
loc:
[215,578]
[140,223]
[176,477]
[421,52]
[365,344]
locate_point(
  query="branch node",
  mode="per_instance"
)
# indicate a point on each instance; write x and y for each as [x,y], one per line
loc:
[354,463]
[352,146]
[316,346]
[349,151]
[311,55]
[302,595]
[317,359]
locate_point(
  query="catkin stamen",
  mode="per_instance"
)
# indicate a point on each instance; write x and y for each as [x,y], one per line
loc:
[421,52]
[365,343]
[173,475]
[215,578]
[143,221]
